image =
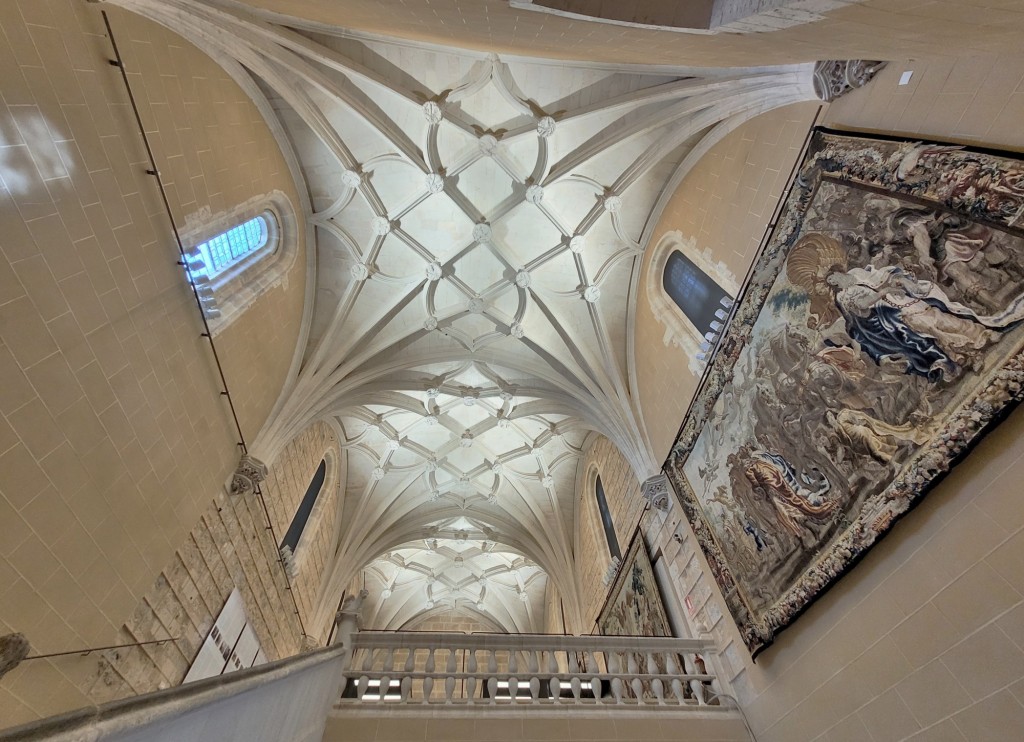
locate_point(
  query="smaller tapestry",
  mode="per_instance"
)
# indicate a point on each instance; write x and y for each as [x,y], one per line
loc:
[634,606]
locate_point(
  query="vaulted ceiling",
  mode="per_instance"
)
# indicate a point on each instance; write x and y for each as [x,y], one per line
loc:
[479,225]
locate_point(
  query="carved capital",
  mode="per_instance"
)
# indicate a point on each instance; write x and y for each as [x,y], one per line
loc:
[655,491]
[13,649]
[250,472]
[836,77]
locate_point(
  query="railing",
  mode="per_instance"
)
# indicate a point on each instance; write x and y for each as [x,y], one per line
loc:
[444,669]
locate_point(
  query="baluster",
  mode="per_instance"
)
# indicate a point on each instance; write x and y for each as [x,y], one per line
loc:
[389,665]
[471,681]
[368,660]
[656,685]
[410,665]
[554,686]
[573,665]
[492,676]
[615,670]
[596,686]
[677,684]
[449,680]
[361,688]
[635,683]
[428,681]
[513,681]
[533,665]
[695,685]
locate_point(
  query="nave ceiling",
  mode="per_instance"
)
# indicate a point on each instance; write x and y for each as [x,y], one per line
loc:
[479,225]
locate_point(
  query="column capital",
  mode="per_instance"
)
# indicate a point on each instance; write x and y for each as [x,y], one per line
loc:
[13,649]
[250,472]
[656,491]
[834,78]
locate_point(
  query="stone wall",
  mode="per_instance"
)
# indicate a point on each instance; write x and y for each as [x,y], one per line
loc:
[215,153]
[229,547]
[622,492]
[723,207]
[232,547]
[287,480]
[882,29]
[452,620]
[114,438]
[378,723]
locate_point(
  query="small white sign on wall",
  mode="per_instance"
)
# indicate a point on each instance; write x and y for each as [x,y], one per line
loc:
[230,645]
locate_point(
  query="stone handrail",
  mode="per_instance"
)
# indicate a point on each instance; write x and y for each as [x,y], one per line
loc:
[525,670]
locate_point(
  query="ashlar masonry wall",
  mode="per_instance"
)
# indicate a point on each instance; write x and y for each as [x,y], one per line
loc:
[115,442]
[622,492]
[287,480]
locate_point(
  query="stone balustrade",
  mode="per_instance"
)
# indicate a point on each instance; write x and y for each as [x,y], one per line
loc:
[429,669]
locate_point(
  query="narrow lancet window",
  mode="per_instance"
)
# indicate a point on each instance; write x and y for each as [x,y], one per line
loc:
[606,521]
[294,534]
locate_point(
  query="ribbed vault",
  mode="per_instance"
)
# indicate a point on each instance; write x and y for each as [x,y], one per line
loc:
[479,225]
[460,568]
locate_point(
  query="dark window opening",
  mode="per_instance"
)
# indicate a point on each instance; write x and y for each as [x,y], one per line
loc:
[291,538]
[702,300]
[606,521]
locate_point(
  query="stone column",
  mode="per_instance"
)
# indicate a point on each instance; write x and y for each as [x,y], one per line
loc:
[347,619]
[346,622]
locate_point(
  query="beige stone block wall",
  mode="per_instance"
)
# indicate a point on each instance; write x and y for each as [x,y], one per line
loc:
[622,491]
[724,205]
[229,547]
[287,480]
[452,620]
[215,152]
[114,439]
[923,639]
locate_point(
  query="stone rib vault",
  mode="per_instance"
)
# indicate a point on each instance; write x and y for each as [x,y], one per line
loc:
[478,225]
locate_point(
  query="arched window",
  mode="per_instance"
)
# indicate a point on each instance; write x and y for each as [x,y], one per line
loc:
[606,520]
[294,534]
[236,255]
[689,293]
[227,248]
[702,300]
